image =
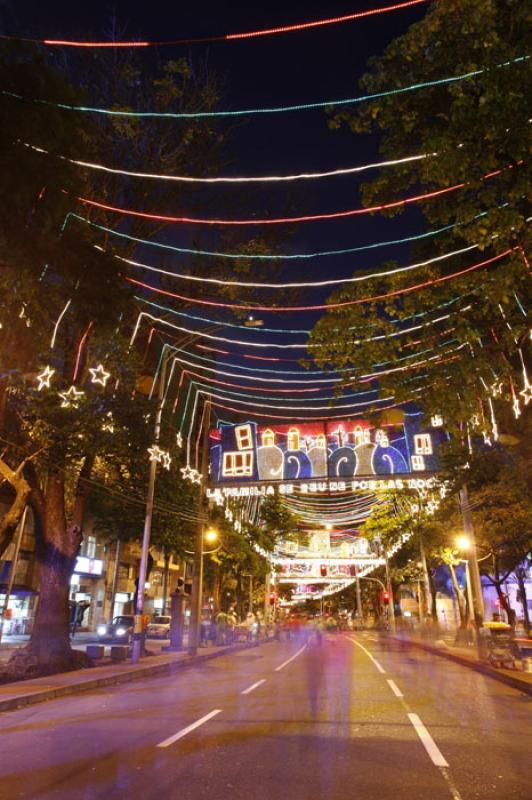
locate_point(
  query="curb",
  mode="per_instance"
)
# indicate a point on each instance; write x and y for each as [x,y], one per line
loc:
[155,670]
[510,680]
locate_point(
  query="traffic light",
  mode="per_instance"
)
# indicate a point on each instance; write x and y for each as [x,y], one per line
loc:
[386,597]
[323,570]
[272,598]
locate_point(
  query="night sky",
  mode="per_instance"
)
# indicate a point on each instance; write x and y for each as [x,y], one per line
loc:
[299,67]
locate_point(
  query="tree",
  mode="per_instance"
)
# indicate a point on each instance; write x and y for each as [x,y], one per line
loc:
[68,308]
[461,347]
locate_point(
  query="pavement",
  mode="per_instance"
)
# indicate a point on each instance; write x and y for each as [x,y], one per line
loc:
[468,656]
[358,716]
[105,672]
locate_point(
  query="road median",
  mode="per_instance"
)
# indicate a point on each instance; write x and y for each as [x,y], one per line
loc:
[38,690]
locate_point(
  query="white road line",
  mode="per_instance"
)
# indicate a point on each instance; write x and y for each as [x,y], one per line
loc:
[395,689]
[428,742]
[189,728]
[379,666]
[253,686]
[285,663]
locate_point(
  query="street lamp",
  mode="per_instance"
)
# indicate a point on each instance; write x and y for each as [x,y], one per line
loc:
[211,536]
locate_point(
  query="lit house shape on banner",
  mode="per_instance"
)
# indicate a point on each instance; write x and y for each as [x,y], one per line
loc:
[319,450]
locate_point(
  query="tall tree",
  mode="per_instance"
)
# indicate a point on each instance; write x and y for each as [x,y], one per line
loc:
[449,331]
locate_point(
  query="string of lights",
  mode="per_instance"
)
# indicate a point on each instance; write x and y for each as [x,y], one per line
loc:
[227,37]
[325,306]
[272,110]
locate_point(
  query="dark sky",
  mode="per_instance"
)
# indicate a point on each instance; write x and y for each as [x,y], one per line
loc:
[292,68]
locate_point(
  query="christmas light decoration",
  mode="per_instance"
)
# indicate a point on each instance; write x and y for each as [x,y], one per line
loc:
[44,378]
[282,29]
[71,398]
[190,474]
[167,460]
[403,202]
[299,284]
[80,349]
[58,322]
[156,454]
[325,306]
[262,256]
[273,110]
[179,439]
[226,179]
[109,425]
[99,375]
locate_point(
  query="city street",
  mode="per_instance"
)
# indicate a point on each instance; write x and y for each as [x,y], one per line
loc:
[356,716]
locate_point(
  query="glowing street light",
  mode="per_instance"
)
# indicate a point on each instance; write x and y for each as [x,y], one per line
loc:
[463,543]
[211,536]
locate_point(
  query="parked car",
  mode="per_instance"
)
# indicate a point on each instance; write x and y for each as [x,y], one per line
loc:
[159,628]
[119,631]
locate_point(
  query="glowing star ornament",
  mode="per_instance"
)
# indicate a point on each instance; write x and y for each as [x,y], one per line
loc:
[44,378]
[109,426]
[190,474]
[167,460]
[179,439]
[526,393]
[99,375]
[71,398]
[156,454]
[516,407]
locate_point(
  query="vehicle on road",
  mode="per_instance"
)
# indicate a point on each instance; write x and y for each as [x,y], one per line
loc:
[159,627]
[119,631]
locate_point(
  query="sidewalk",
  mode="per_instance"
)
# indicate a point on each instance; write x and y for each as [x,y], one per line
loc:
[467,657]
[37,690]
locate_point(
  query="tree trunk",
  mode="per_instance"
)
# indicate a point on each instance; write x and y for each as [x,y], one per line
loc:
[216,586]
[165,579]
[519,574]
[57,546]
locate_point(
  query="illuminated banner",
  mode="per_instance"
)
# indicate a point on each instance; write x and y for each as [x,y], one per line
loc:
[326,452]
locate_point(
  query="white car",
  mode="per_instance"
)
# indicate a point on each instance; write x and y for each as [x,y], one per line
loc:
[159,628]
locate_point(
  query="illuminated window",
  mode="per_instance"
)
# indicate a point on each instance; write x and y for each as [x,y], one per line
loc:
[436,421]
[238,465]
[244,439]
[423,444]
[293,439]
[381,437]
[268,438]
[418,463]
[321,441]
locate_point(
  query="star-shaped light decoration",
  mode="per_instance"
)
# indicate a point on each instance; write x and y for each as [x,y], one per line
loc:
[516,407]
[109,425]
[475,420]
[167,460]
[179,439]
[496,389]
[487,439]
[526,393]
[190,474]
[71,398]
[156,454]
[99,375]
[44,378]
[436,421]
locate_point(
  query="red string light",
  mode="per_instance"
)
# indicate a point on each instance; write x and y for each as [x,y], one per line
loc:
[281,220]
[301,26]
[324,306]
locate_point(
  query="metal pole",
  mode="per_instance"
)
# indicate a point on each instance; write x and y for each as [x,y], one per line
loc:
[13,569]
[359,596]
[115,577]
[137,636]
[474,572]
[197,576]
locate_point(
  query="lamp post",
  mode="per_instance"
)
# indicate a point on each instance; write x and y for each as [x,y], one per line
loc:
[474,572]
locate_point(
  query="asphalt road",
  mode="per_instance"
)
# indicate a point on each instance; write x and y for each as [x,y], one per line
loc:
[352,718]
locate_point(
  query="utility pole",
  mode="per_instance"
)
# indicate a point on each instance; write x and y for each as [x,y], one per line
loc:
[197,575]
[13,569]
[137,635]
[474,572]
